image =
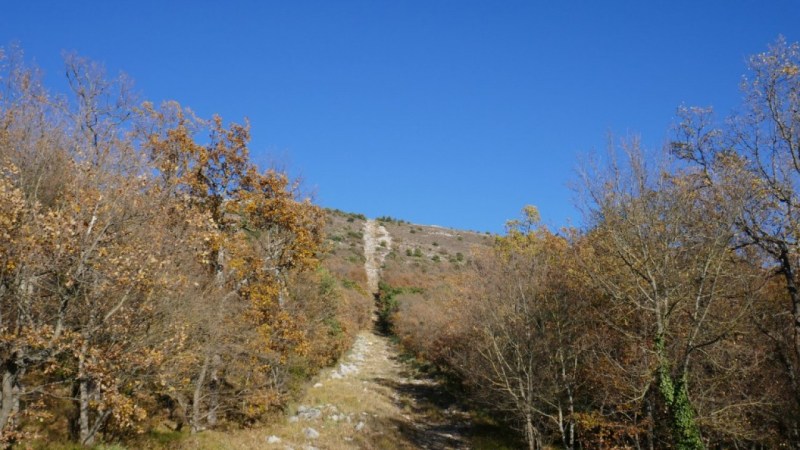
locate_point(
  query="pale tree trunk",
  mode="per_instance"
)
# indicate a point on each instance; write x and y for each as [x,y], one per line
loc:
[87,392]
[214,387]
[83,405]
[567,427]
[83,395]
[197,398]
[98,423]
[10,396]
[532,434]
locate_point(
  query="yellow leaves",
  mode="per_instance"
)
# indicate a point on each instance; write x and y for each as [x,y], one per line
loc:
[155,252]
[790,70]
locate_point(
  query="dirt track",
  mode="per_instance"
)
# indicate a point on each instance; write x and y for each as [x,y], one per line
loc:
[372,399]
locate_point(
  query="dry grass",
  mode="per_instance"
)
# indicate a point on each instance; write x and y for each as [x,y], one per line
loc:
[416,248]
[370,397]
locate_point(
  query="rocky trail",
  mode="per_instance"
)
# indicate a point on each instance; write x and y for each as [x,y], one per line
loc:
[372,399]
[377,244]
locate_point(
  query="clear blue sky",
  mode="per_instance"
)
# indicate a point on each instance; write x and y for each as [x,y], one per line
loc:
[454,113]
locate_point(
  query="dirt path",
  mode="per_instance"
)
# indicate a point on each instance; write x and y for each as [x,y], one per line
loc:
[371,400]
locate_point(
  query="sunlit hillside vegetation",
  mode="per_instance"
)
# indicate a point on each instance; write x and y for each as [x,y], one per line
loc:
[151,277]
[155,284]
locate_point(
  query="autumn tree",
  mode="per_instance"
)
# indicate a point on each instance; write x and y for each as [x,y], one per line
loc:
[258,233]
[662,251]
[140,266]
[525,312]
[764,142]
[79,278]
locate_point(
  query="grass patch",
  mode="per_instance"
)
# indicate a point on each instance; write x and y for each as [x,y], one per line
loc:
[355,234]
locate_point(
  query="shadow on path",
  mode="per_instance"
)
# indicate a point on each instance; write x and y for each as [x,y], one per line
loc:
[434,419]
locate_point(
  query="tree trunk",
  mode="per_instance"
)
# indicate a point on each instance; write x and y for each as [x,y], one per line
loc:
[84,391]
[10,396]
[83,411]
[570,443]
[685,432]
[197,398]
[532,434]
[214,388]
[792,359]
[180,413]
[98,423]
[794,295]
[650,425]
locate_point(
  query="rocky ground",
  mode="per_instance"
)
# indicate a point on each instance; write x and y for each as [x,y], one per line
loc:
[372,399]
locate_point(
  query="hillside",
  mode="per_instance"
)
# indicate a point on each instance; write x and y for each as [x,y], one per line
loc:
[423,255]
[377,396]
[419,255]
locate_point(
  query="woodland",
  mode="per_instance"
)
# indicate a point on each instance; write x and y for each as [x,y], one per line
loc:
[152,274]
[148,270]
[671,319]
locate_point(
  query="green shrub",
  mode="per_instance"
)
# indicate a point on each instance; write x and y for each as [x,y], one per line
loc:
[387,305]
[349,284]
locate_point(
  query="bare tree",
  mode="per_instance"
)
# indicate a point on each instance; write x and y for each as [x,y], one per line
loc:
[526,313]
[754,158]
[661,251]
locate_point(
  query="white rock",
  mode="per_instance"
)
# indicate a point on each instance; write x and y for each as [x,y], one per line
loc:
[273,439]
[347,369]
[293,419]
[310,414]
[310,433]
[318,385]
[360,426]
